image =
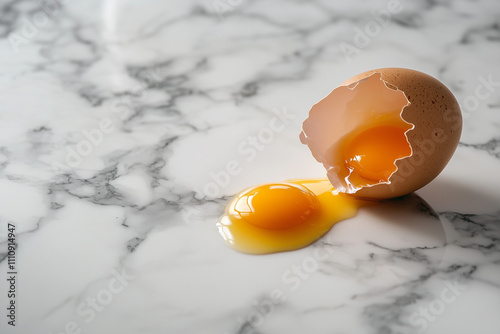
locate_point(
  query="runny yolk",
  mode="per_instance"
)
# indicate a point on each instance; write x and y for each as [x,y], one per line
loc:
[276,206]
[285,216]
[372,153]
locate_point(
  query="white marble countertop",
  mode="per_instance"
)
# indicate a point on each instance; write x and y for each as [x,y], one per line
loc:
[116,116]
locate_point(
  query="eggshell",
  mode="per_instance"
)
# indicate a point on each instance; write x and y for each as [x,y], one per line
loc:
[437,120]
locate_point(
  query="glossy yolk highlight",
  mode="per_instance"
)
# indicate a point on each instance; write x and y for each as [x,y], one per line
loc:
[372,153]
[284,216]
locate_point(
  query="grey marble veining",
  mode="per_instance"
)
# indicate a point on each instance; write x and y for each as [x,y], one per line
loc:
[118,120]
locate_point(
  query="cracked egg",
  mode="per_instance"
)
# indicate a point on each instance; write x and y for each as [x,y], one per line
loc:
[381,134]
[384,133]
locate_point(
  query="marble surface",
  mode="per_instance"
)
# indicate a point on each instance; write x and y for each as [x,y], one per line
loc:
[118,117]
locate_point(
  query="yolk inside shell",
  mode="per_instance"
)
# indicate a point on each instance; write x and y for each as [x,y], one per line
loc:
[371,154]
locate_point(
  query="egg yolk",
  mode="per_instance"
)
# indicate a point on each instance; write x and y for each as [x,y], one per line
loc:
[276,206]
[284,216]
[371,154]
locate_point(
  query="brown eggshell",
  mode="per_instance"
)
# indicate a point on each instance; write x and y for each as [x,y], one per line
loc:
[437,121]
